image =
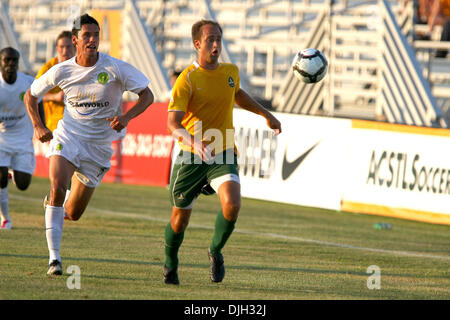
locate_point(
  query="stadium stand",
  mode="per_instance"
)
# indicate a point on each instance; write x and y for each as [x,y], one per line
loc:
[261,37]
[8,37]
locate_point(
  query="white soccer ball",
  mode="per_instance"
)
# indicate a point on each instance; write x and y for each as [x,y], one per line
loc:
[310,65]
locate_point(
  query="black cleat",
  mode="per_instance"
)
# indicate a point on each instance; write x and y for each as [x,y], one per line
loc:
[55,268]
[171,275]
[217,269]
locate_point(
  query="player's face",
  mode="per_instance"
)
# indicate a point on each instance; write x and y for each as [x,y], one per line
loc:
[210,45]
[65,49]
[87,40]
[9,62]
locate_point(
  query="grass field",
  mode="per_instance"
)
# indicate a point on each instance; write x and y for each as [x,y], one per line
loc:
[277,252]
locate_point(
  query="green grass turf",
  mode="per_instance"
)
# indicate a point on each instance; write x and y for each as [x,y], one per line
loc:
[277,252]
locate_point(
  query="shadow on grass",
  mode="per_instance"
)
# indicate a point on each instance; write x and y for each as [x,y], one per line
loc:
[206,266]
[200,266]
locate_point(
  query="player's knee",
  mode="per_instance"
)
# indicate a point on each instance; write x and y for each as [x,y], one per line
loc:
[179,220]
[22,181]
[179,225]
[74,214]
[22,186]
[74,217]
[57,195]
[3,177]
[231,209]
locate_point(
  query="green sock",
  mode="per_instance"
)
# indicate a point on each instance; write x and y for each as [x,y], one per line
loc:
[173,243]
[222,231]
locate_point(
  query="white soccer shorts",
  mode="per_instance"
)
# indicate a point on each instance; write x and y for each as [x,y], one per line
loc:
[18,161]
[91,159]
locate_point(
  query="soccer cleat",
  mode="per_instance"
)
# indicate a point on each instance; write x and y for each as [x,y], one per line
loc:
[55,268]
[171,275]
[6,225]
[217,269]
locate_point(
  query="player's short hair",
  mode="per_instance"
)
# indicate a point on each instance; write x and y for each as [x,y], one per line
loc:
[196,34]
[64,34]
[82,20]
[175,73]
[10,50]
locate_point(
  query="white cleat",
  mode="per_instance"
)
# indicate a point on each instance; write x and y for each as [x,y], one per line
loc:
[6,225]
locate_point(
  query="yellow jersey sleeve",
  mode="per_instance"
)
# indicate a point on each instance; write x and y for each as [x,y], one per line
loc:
[54,110]
[50,63]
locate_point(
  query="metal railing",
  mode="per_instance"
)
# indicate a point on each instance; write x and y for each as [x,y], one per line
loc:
[9,39]
[261,37]
[141,52]
[295,96]
[371,64]
[404,94]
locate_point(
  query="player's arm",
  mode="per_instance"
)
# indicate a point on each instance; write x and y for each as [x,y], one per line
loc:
[435,15]
[179,132]
[41,111]
[59,96]
[245,101]
[41,132]
[146,98]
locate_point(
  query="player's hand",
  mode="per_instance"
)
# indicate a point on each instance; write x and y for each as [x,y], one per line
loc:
[118,122]
[204,151]
[43,134]
[274,124]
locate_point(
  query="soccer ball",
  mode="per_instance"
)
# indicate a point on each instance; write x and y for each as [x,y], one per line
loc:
[310,65]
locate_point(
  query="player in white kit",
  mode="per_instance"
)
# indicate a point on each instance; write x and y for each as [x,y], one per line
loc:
[80,147]
[16,131]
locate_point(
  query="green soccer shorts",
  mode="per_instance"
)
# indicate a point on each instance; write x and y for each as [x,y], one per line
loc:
[190,176]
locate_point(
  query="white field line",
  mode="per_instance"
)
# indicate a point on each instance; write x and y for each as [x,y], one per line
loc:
[254,233]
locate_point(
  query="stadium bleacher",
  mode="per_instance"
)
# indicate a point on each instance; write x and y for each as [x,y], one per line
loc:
[261,37]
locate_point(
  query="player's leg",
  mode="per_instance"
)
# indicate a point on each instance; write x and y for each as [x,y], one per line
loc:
[224,179]
[5,221]
[185,185]
[230,199]
[60,172]
[78,199]
[22,179]
[93,162]
[174,235]
[22,163]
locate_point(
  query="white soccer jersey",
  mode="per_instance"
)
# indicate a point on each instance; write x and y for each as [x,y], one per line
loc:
[91,94]
[16,130]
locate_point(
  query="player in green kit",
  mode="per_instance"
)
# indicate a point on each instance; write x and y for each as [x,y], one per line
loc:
[201,119]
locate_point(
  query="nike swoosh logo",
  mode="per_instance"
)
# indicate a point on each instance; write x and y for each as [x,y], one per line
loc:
[289,167]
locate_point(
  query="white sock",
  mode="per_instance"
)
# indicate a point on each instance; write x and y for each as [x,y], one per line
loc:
[54,221]
[4,205]
[65,200]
